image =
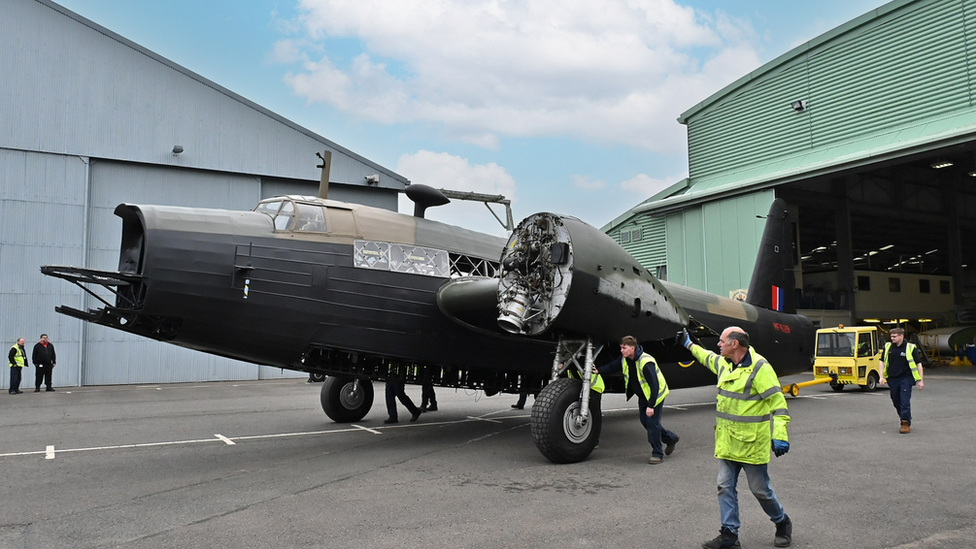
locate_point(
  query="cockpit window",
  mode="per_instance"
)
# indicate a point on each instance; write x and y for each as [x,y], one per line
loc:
[282,221]
[281,211]
[270,208]
[310,219]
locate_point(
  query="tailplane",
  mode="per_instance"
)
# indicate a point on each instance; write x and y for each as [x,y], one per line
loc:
[773,284]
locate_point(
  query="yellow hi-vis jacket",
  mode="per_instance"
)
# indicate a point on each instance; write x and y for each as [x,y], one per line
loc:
[662,385]
[19,357]
[596,380]
[751,407]
[909,354]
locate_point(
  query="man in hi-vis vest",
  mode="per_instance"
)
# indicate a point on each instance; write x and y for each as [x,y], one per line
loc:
[901,367]
[643,378]
[18,361]
[752,418]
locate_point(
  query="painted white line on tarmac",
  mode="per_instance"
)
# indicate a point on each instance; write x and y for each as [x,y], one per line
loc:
[49,452]
[299,434]
[489,435]
[226,440]
[473,418]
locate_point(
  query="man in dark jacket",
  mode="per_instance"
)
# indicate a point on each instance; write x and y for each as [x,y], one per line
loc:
[44,361]
[643,378]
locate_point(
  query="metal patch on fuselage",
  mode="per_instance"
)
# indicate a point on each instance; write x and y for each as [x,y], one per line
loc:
[401,258]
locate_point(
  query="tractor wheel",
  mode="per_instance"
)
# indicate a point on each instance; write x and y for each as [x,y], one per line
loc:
[872,382]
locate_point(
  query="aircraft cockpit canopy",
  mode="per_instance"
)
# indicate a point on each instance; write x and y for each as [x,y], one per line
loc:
[294,216]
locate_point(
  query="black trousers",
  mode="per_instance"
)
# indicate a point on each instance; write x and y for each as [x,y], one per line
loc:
[15,379]
[395,390]
[43,375]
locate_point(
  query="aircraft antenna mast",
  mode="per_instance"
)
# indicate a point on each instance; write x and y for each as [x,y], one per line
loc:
[486,199]
[326,167]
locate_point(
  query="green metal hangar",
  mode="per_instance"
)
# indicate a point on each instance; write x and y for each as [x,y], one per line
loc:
[869,132]
[89,120]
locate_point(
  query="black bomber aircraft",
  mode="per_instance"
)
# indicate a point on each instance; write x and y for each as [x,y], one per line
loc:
[362,294]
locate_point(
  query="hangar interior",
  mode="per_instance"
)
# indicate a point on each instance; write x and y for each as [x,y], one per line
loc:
[909,217]
[869,132]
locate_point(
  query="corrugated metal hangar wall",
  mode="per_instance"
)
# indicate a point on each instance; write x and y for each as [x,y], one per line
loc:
[869,131]
[90,120]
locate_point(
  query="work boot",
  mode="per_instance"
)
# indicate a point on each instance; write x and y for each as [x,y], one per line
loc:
[724,540]
[655,460]
[670,447]
[905,427]
[784,533]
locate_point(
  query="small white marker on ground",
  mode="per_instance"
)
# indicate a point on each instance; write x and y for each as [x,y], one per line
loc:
[228,441]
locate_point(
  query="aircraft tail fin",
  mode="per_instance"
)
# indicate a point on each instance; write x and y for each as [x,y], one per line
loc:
[773,284]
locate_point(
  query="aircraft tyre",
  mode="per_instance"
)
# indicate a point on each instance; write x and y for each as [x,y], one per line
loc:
[837,387]
[342,402]
[554,427]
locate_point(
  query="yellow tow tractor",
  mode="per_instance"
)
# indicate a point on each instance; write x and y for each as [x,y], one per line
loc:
[849,356]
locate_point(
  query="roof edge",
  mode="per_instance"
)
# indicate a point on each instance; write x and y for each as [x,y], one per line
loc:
[865,157]
[664,193]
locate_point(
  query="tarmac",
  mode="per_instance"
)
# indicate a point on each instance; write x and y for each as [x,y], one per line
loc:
[258,464]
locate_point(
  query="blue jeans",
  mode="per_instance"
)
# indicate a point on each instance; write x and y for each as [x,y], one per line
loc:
[728,499]
[901,396]
[656,433]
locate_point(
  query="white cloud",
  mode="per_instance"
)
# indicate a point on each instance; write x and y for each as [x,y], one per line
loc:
[288,52]
[617,71]
[447,171]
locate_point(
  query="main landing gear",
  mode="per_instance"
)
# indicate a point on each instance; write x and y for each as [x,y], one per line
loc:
[565,426]
[346,399]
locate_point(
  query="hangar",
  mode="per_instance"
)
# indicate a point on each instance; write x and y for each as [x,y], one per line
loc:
[90,120]
[869,132]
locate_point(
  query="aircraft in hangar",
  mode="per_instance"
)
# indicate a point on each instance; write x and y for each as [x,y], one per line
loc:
[363,294]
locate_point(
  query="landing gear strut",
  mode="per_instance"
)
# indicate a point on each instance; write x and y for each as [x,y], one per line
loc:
[565,426]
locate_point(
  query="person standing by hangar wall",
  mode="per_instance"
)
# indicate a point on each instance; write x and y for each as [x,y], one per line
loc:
[44,359]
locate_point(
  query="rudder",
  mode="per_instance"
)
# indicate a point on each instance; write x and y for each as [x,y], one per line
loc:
[773,284]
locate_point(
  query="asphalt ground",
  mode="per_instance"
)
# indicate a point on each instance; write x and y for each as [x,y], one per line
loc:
[257,464]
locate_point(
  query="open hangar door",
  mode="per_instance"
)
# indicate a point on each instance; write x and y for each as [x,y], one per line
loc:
[904,221]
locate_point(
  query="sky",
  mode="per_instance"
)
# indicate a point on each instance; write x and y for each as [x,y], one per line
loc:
[564,106]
